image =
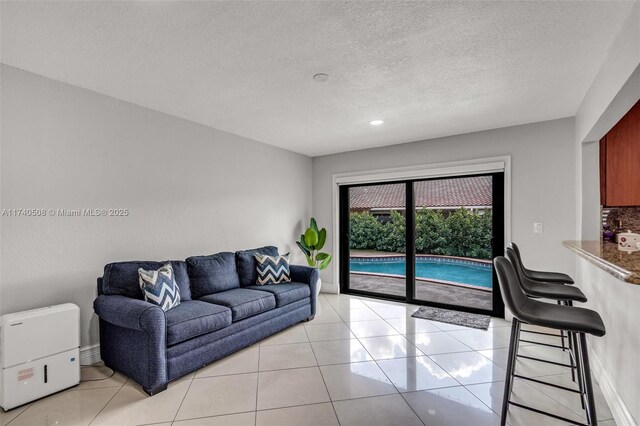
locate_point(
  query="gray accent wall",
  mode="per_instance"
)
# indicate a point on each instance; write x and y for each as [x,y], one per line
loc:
[189,189]
[543,181]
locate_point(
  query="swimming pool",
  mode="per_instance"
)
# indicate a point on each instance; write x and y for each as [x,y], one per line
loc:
[436,268]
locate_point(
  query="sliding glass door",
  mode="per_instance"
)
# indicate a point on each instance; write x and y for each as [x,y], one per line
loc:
[377,239]
[425,241]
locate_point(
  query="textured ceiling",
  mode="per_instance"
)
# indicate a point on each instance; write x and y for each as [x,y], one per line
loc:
[428,69]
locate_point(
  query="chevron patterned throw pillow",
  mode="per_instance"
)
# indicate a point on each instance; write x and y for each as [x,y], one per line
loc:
[159,287]
[273,269]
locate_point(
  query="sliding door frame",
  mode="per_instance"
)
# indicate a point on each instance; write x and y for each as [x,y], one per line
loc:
[344,242]
[497,244]
[496,166]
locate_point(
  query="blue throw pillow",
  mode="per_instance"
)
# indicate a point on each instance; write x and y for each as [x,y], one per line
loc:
[273,269]
[159,287]
[246,263]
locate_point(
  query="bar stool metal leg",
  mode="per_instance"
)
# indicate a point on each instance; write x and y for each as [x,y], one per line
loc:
[562,339]
[572,357]
[592,418]
[515,354]
[572,348]
[511,364]
[578,360]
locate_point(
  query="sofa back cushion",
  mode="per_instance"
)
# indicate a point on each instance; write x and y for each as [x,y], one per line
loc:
[121,278]
[212,274]
[247,264]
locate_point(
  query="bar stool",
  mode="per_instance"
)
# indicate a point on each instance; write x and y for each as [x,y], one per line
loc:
[526,310]
[535,288]
[561,293]
[545,276]
[542,276]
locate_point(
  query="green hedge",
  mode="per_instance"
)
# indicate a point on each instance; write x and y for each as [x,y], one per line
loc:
[461,233]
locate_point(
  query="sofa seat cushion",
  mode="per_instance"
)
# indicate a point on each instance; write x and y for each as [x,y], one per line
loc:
[194,318]
[242,302]
[285,293]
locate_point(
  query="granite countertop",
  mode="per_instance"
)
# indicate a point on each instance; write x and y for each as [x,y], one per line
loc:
[605,255]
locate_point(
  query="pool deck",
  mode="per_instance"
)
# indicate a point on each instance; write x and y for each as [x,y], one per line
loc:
[425,290]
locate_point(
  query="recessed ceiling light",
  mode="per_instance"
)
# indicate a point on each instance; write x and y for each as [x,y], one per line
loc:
[376,122]
[321,77]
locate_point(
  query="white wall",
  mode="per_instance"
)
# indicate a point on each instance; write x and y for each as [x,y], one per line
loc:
[543,181]
[614,356]
[615,89]
[190,190]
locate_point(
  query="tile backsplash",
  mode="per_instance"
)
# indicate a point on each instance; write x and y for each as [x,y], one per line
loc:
[630,217]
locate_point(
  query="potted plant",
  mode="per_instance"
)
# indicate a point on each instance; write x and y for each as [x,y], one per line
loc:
[311,242]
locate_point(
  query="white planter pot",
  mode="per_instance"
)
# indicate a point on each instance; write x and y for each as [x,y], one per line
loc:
[318,286]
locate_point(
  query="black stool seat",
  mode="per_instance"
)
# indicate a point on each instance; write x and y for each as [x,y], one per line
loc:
[554,291]
[549,277]
[543,289]
[574,319]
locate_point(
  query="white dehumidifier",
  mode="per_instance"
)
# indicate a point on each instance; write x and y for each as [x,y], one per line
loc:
[39,353]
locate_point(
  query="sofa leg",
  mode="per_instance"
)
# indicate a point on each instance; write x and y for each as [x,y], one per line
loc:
[310,318]
[156,390]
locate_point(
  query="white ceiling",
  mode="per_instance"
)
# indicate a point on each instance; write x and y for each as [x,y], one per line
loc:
[428,69]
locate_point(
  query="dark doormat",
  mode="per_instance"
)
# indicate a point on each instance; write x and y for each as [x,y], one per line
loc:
[453,317]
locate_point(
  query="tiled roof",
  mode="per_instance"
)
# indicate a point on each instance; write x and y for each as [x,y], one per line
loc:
[459,192]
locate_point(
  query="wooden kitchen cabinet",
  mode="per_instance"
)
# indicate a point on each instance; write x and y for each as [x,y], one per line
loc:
[620,162]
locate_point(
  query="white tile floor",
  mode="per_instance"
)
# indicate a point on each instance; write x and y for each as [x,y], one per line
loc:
[359,362]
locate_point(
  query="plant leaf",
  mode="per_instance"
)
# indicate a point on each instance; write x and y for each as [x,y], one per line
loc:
[303,243]
[311,238]
[313,225]
[310,261]
[304,249]
[322,238]
[325,262]
[322,256]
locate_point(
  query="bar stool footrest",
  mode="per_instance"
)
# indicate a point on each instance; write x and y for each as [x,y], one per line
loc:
[542,382]
[542,343]
[543,333]
[546,361]
[544,413]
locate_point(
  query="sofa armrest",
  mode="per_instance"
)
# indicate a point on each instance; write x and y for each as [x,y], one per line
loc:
[133,339]
[304,274]
[130,313]
[307,275]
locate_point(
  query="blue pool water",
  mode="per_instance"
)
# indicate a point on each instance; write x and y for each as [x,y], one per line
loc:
[464,272]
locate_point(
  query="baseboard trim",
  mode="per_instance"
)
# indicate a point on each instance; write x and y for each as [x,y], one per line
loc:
[90,354]
[621,413]
[329,288]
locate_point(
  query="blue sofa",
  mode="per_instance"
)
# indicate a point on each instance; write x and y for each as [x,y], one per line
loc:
[221,311]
